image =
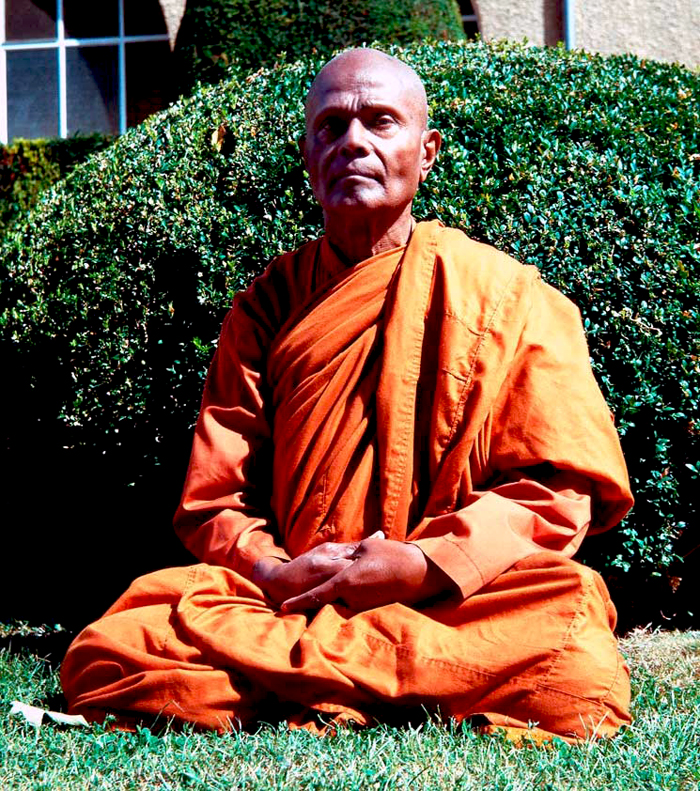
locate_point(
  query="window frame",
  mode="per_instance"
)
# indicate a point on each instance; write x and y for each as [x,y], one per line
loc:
[62,44]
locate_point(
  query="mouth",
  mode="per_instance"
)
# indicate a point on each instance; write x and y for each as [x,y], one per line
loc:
[351,174]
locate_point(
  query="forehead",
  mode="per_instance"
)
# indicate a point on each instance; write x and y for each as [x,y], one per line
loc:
[355,89]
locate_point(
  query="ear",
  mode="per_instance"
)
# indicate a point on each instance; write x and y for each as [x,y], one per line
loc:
[431,141]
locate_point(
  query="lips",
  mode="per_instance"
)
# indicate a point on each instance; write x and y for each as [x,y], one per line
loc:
[350,173]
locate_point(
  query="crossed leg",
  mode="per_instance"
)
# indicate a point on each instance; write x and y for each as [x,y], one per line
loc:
[200,644]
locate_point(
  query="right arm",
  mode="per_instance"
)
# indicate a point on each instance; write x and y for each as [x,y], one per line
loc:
[224,517]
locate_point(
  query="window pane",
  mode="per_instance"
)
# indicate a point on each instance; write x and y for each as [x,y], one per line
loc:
[28,19]
[82,18]
[32,93]
[148,79]
[471,29]
[143,18]
[91,84]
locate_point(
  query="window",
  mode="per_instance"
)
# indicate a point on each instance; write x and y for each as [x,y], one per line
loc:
[469,20]
[67,68]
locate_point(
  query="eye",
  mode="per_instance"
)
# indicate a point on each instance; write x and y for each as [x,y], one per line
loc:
[383,121]
[332,126]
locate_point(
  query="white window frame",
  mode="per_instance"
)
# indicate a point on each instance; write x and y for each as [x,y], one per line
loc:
[62,44]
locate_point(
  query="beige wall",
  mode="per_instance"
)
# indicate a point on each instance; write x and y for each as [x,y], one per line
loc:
[659,29]
[173,11]
[539,21]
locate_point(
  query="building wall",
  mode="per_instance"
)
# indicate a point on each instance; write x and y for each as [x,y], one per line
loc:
[538,21]
[173,11]
[660,29]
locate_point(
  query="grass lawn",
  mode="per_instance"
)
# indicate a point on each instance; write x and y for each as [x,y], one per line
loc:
[660,751]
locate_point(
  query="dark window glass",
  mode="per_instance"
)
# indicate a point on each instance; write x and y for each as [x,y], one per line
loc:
[143,18]
[471,27]
[90,19]
[32,93]
[148,79]
[30,19]
[91,80]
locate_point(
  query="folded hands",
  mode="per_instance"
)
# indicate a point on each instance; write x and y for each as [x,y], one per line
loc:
[361,575]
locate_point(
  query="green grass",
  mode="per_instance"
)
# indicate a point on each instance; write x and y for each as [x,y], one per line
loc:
[660,751]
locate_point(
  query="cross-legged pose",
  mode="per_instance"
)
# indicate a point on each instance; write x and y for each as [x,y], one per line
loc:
[401,445]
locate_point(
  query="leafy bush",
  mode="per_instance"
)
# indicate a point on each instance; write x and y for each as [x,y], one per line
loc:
[220,33]
[28,167]
[115,287]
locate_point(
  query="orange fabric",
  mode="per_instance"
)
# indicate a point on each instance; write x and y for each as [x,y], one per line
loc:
[441,393]
[200,644]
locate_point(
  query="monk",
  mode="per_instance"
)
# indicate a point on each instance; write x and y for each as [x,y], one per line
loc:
[401,445]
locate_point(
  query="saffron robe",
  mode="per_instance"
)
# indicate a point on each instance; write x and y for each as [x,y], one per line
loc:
[442,393]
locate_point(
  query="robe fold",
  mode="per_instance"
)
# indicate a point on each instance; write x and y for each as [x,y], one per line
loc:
[442,393]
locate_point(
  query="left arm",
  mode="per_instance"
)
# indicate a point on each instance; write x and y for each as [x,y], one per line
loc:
[552,455]
[506,523]
[461,552]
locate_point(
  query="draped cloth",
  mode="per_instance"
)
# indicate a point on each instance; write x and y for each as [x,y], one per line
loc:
[442,393]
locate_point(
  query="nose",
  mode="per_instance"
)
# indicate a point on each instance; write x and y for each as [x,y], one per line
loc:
[355,138]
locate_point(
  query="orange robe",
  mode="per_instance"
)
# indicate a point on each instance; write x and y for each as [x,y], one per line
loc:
[442,393]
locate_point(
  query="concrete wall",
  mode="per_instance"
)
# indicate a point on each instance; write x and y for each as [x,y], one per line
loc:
[539,21]
[660,29]
[656,29]
[173,11]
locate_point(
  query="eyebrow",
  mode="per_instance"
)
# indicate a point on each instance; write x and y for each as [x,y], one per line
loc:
[343,111]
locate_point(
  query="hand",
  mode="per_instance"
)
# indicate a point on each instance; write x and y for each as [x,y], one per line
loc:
[378,572]
[281,579]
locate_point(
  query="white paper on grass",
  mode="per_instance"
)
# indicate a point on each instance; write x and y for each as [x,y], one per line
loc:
[35,715]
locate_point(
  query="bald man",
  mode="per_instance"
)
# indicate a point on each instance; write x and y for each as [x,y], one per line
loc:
[400,447]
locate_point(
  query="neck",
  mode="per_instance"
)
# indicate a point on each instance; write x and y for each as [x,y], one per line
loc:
[355,241]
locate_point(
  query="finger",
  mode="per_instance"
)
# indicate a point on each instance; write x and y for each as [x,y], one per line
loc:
[339,564]
[344,551]
[378,534]
[312,599]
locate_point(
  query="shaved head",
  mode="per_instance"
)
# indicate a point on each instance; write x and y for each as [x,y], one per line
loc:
[367,148]
[360,65]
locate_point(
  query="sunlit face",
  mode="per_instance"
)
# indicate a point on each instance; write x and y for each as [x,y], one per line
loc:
[365,147]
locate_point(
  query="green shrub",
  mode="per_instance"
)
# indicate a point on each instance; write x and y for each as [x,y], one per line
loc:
[114,288]
[220,33]
[28,167]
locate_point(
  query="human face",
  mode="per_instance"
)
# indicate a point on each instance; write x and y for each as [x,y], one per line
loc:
[366,147]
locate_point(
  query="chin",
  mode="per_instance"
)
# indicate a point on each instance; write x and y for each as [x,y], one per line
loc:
[356,195]
[354,203]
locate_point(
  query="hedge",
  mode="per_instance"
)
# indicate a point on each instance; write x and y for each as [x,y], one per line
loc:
[28,167]
[218,34]
[115,287]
